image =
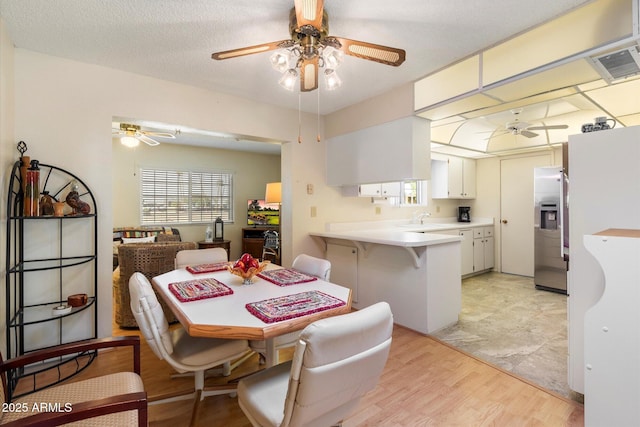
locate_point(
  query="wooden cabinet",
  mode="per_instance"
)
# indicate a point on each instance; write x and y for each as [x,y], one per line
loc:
[253,240]
[453,178]
[483,249]
[224,244]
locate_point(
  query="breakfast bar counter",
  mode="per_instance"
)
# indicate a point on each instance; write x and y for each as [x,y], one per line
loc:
[418,274]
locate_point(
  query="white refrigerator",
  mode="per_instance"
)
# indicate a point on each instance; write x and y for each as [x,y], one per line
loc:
[604,192]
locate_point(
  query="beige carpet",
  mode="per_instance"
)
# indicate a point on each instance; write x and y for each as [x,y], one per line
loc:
[507,322]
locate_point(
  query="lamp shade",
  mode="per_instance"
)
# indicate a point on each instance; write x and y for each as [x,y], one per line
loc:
[273,193]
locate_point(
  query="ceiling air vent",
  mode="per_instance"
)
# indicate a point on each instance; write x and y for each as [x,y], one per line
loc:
[619,64]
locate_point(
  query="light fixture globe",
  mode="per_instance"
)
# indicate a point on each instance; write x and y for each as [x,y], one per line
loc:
[288,79]
[332,79]
[129,141]
[280,61]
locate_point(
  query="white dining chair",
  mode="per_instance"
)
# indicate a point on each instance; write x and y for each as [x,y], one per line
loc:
[200,256]
[317,267]
[337,360]
[181,351]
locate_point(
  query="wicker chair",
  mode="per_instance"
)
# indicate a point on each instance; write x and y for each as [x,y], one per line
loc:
[151,259]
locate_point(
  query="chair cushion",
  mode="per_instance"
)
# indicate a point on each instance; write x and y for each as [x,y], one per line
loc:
[204,353]
[83,391]
[262,394]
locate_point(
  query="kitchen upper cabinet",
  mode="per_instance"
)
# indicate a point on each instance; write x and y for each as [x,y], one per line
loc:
[453,178]
[391,152]
[387,189]
[483,249]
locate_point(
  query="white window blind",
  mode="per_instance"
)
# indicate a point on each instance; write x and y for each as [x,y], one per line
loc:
[170,197]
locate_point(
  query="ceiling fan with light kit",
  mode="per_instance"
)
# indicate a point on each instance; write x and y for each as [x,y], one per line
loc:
[517,127]
[311,48]
[131,135]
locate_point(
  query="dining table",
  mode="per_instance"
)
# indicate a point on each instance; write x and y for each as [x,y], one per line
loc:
[261,310]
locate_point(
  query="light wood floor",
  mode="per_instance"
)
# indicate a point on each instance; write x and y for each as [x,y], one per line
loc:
[425,383]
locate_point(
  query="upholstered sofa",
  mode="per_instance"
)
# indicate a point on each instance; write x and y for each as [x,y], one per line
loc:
[150,259]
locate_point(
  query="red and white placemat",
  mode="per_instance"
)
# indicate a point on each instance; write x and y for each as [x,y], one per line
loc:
[292,306]
[197,289]
[286,276]
[207,268]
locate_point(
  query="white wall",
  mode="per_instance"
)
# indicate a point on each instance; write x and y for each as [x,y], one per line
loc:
[250,170]
[63,109]
[7,148]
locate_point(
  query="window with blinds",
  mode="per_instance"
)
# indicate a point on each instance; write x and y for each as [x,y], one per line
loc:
[170,197]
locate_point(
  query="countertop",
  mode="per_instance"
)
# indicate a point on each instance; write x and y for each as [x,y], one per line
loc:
[402,238]
[404,235]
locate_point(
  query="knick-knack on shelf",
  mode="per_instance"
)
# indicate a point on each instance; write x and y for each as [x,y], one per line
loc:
[73,199]
[46,204]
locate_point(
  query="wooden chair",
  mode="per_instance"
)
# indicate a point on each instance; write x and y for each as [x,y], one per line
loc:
[115,399]
[337,360]
[317,267]
[181,351]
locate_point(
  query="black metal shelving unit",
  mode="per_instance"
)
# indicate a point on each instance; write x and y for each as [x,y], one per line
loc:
[47,259]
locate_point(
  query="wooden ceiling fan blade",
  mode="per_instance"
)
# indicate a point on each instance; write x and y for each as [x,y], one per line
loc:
[149,141]
[309,74]
[547,127]
[373,52]
[250,50]
[309,12]
[528,134]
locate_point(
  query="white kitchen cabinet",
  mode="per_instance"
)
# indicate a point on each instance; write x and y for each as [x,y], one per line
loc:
[344,267]
[612,332]
[467,251]
[466,248]
[483,249]
[453,178]
[387,189]
[392,151]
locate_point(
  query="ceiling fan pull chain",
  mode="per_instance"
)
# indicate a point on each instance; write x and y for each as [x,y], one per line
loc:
[318,118]
[299,120]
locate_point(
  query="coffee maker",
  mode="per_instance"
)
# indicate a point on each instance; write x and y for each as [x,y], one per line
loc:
[463,214]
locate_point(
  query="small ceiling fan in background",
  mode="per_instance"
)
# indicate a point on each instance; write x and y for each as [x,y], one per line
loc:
[309,44]
[516,127]
[131,135]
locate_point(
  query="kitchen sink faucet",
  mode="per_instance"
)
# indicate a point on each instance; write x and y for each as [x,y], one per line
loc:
[422,216]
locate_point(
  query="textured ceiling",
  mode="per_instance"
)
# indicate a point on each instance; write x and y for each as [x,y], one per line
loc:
[173,40]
